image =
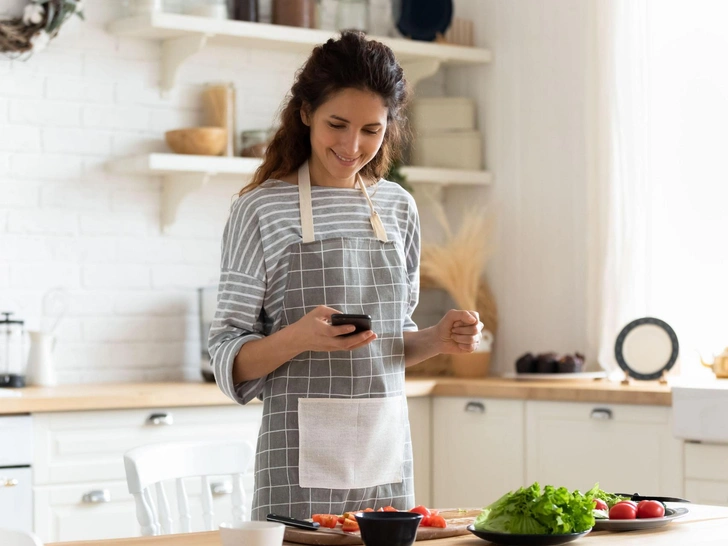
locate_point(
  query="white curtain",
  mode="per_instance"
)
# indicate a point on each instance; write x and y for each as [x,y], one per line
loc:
[660,184]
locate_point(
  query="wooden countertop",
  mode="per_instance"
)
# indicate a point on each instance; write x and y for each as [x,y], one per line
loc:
[704,525]
[159,395]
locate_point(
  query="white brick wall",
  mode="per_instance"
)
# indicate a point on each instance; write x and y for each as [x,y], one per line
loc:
[64,221]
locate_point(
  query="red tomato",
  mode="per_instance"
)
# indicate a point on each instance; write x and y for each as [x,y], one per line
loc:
[438,521]
[421,510]
[326,520]
[631,503]
[425,521]
[650,509]
[623,510]
[599,504]
[350,525]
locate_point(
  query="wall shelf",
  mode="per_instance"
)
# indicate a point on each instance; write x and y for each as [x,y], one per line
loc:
[183,175]
[184,35]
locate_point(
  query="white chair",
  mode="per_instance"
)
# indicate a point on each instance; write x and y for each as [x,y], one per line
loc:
[153,464]
[11,537]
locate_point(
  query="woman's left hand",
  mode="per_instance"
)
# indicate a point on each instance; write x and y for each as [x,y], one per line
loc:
[459,332]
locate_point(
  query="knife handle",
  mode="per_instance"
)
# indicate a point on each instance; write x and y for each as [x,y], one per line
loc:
[293,522]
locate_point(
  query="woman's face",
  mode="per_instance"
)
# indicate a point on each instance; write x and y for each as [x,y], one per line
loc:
[346,133]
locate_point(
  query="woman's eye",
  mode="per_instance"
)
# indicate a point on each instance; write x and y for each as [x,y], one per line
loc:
[371,132]
[334,126]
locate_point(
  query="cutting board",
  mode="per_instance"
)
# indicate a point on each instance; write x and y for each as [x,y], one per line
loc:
[457,521]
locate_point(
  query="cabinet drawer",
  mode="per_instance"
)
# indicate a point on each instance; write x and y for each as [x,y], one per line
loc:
[707,492]
[706,461]
[88,446]
[68,513]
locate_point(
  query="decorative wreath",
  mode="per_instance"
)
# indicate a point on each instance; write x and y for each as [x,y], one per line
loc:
[41,21]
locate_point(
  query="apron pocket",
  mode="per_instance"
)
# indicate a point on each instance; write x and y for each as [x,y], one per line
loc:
[351,443]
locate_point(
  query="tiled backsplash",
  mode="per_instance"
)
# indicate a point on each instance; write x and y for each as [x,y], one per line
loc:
[66,222]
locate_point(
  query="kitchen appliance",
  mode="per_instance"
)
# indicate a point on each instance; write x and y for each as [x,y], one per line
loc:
[12,351]
[16,491]
[207,303]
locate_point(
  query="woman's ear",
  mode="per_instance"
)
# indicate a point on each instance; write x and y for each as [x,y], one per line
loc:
[305,117]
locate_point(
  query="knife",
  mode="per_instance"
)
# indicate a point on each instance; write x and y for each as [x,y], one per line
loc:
[303,524]
[638,497]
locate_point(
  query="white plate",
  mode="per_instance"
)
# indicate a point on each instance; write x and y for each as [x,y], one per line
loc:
[556,376]
[637,524]
[8,393]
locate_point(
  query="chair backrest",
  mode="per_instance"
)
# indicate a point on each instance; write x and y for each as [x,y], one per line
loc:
[150,466]
[11,537]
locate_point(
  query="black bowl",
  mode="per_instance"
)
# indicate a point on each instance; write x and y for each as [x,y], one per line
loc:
[388,528]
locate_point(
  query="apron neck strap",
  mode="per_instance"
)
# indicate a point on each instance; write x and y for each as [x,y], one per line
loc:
[304,200]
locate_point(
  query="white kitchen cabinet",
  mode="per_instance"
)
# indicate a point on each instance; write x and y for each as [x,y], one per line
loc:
[79,481]
[706,473]
[420,409]
[626,448]
[477,452]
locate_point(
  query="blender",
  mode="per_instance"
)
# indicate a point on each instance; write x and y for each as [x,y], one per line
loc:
[12,338]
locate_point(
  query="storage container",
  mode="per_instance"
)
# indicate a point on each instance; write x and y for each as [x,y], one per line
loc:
[443,114]
[450,150]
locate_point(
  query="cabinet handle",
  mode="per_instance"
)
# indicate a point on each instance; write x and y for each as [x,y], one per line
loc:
[601,414]
[159,419]
[8,482]
[97,496]
[221,488]
[475,407]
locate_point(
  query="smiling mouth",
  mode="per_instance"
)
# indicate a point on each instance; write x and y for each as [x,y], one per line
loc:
[344,159]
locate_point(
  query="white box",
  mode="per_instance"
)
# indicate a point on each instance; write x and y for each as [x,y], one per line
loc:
[443,114]
[451,150]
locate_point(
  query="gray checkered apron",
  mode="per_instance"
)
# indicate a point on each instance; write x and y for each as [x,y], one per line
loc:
[335,432]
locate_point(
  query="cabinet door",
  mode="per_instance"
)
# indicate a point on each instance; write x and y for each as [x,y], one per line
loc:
[420,425]
[478,450]
[626,448]
[706,475]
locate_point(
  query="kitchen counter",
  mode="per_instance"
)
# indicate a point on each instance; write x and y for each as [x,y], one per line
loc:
[704,525]
[150,395]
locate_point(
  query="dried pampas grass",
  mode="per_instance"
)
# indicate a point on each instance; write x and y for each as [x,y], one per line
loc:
[457,265]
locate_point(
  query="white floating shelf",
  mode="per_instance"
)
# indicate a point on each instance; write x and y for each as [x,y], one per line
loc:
[184,35]
[447,177]
[200,165]
[186,174]
[170,164]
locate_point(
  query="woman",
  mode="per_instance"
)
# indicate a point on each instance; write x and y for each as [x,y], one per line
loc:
[318,232]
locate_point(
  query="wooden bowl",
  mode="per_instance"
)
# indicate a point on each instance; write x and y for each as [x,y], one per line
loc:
[197,140]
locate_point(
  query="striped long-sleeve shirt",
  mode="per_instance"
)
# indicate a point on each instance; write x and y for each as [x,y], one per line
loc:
[262,226]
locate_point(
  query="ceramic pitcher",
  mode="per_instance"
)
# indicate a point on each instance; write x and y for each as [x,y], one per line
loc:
[41,370]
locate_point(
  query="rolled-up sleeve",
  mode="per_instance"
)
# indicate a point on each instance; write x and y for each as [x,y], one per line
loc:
[241,292]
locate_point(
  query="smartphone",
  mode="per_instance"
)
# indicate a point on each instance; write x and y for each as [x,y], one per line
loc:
[362,322]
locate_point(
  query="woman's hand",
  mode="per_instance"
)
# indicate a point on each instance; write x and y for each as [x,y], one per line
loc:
[314,332]
[458,332]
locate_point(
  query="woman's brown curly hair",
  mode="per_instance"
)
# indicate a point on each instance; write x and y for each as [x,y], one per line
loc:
[350,61]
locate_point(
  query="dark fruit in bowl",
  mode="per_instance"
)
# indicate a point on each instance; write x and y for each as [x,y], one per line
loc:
[526,364]
[569,364]
[547,363]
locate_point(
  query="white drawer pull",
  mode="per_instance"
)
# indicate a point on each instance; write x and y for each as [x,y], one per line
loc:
[221,488]
[8,482]
[159,419]
[601,414]
[475,407]
[97,496]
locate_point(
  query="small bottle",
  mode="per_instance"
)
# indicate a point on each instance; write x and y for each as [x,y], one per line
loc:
[352,15]
[295,13]
[245,10]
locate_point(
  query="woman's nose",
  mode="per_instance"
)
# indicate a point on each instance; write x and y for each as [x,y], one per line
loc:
[351,143]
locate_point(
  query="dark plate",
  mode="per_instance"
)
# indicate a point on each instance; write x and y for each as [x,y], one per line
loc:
[423,19]
[508,539]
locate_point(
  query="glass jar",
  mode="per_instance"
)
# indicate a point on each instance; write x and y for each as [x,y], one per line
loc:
[253,143]
[295,13]
[12,351]
[352,15]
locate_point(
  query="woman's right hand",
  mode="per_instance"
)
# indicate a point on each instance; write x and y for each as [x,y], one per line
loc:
[314,332]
